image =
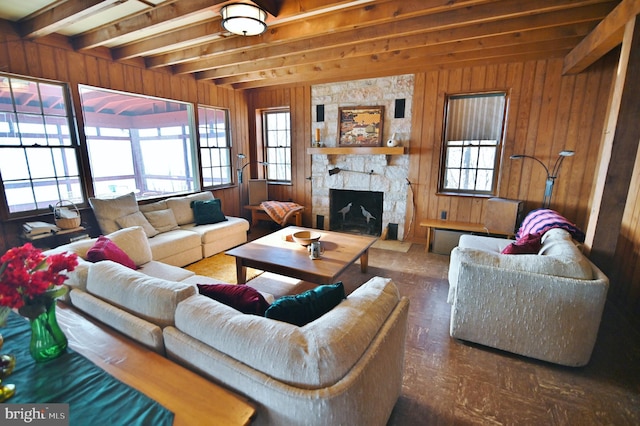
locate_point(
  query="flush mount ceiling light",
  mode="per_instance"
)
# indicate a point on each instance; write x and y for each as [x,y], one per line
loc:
[243,19]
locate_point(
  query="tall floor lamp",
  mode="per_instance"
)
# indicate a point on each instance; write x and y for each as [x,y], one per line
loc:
[551,175]
[240,171]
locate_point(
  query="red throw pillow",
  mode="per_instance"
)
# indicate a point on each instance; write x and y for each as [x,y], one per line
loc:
[528,244]
[240,297]
[105,249]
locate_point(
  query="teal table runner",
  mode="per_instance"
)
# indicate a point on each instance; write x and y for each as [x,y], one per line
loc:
[94,397]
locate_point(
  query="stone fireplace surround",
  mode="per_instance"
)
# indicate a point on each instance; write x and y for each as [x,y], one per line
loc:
[389,173]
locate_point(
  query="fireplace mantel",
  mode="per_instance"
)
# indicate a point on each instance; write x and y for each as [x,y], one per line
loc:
[361,150]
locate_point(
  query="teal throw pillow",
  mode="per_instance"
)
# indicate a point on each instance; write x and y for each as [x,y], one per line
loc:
[308,306]
[209,211]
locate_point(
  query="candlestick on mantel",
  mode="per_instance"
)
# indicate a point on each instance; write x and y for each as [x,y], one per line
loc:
[317,135]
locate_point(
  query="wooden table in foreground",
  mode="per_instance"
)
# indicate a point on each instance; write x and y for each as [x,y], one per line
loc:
[192,399]
[279,254]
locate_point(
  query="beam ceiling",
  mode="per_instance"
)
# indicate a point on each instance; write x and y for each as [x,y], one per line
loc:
[315,41]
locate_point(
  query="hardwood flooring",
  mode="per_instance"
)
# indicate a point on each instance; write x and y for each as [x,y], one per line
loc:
[450,382]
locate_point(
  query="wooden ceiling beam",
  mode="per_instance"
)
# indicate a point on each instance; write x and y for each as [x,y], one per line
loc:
[412,60]
[607,35]
[358,18]
[545,26]
[160,15]
[62,15]
[346,75]
[339,29]
[211,30]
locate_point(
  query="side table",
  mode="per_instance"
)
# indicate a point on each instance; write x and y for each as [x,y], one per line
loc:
[55,239]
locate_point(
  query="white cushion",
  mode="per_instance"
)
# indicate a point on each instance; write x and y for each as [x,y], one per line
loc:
[181,206]
[108,210]
[134,242]
[150,207]
[152,299]
[162,220]
[169,243]
[137,219]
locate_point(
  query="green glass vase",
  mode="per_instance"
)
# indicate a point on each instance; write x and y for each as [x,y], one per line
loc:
[47,339]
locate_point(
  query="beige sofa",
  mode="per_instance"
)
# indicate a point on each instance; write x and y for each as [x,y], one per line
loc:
[546,306]
[170,226]
[344,368]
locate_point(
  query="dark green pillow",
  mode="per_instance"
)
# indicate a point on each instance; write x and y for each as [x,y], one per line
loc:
[209,211]
[308,306]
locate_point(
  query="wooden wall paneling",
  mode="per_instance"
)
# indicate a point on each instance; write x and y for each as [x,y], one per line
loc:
[510,179]
[626,274]
[418,123]
[92,71]
[17,58]
[61,64]
[47,61]
[437,203]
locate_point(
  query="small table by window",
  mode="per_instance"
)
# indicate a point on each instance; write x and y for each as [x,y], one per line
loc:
[55,239]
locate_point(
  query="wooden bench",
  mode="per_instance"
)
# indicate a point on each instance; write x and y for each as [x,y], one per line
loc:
[431,224]
[258,213]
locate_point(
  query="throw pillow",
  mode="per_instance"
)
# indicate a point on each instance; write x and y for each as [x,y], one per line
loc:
[541,220]
[105,249]
[137,219]
[308,306]
[206,212]
[529,244]
[162,220]
[108,210]
[242,298]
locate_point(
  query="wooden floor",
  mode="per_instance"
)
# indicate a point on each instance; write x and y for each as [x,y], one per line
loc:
[449,382]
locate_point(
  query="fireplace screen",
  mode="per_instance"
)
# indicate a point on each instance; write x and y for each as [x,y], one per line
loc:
[357,212]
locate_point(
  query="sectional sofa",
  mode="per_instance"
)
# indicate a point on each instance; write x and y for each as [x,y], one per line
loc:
[175,235]
[346,367]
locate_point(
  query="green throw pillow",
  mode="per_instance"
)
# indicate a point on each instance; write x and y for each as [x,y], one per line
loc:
[308,306]
[209,211]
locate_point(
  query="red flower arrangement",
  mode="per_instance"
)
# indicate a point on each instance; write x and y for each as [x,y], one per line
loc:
[29,280]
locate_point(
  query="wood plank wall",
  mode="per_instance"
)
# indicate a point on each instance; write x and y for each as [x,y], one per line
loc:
[547,113]
[298,99]
[53,58]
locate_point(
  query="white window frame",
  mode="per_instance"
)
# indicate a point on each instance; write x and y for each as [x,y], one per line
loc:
[215,147]
[276,137]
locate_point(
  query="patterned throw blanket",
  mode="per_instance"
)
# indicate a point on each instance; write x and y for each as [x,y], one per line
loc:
[280,211]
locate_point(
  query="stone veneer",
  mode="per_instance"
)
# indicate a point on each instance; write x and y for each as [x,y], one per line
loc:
[391,177]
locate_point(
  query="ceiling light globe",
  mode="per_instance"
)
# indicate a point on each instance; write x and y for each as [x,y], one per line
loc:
[244,19]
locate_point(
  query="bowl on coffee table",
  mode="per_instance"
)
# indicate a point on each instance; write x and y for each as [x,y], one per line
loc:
[304,238]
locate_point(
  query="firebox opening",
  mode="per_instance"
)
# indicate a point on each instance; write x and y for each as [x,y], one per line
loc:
[356,212]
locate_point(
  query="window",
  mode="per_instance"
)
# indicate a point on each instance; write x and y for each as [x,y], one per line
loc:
[138,144]
[38,146]
[215,146]
[277,144]
[472,142]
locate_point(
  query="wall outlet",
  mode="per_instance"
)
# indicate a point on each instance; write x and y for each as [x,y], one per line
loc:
[443,215]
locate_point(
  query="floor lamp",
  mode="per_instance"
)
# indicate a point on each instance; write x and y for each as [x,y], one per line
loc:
[551,175]
[240,171]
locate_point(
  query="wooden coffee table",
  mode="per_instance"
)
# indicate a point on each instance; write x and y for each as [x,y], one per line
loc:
[279,254]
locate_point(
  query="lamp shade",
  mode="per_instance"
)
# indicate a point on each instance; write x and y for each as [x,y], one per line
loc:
[244,19]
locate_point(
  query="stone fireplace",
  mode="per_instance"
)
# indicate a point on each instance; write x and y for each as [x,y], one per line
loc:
[374,173]
[358,212]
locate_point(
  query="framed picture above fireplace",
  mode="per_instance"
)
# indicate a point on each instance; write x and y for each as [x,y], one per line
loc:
[360,126]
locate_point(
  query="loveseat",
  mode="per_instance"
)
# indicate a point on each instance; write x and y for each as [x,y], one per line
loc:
[345,367]
[546,305]
[178,235]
